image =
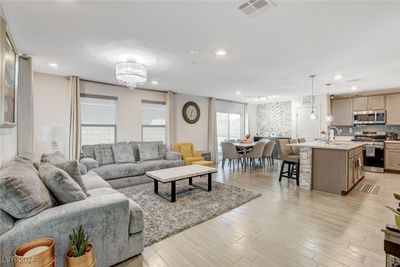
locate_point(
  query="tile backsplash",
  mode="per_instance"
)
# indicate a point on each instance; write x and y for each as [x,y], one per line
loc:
[352,130]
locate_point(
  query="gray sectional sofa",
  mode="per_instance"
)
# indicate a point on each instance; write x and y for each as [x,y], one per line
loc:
[113,221]
[29,210]
[147,156]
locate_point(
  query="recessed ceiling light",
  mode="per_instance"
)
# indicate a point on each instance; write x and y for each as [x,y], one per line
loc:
[354,88]
[154,82]
[220,53]
[338,77]
[238,92]
[194,51]
[53,65]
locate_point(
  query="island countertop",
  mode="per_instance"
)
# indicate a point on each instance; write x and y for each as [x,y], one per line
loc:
[336,145]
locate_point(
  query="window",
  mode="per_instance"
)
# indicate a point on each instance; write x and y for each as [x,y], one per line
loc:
[229,127]
[98,119]
[153,121]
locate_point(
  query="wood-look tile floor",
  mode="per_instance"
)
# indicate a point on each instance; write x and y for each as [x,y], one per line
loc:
[286,226]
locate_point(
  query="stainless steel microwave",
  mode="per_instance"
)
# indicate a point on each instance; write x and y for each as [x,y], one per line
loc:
[369,117]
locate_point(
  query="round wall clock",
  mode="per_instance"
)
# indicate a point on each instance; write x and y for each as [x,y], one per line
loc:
[191,112]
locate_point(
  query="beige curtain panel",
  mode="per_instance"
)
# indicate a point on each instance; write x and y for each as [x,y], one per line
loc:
[212,130]
[25,105]
[75,119]
[170,123]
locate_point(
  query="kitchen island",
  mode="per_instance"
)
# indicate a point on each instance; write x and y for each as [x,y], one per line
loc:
[333,168]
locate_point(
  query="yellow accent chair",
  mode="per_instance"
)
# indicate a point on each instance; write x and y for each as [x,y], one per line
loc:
[188,154]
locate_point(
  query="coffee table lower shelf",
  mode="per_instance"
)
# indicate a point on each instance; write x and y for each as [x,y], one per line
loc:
[173,186]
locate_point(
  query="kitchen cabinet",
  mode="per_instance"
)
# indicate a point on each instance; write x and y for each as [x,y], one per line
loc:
[393,109]
[376,102]
[369,103]
[392,156]
[355,167]
[336,171]
[342,112]
[360,103]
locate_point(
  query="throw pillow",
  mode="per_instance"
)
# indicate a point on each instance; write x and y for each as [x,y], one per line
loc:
[53,158]
[148,151]
[22,193]
[6,222]
[104,154]
[61,184]
[123,153]
[72,168]
[162,150]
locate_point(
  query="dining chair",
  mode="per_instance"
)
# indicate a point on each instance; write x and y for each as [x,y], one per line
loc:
[302,140]
[291,160]
[229,152]
[267,153]
[295,149]
[256,153]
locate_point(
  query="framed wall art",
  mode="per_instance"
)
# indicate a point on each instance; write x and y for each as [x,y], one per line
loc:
[8,77]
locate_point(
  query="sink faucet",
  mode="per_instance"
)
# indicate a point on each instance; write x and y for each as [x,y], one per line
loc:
[331,133]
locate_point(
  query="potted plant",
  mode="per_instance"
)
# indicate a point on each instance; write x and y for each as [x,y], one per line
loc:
[80,253]
[396,211]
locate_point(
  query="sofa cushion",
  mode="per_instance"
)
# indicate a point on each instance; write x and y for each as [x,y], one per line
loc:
[152,165]
[149,151]
[114,171]
[72,168]
[88,151]
[53,158]
[98,192]
[136,149]
[89,163]
[92,180]
[22,193]
[61,184]
[104,154]
[136,222]
[6,222]
[123,153]
[162,150]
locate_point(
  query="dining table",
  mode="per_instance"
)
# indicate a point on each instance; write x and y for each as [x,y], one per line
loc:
[244,147]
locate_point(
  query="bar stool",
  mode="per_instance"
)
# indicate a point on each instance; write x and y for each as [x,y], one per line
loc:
[291,160]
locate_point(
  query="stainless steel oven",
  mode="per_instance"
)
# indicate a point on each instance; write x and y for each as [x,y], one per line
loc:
[369,117]
[374,157]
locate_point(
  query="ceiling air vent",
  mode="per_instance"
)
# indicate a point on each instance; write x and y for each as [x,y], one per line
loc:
[253,7]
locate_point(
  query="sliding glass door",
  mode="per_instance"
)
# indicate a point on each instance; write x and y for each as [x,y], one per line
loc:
[229,127]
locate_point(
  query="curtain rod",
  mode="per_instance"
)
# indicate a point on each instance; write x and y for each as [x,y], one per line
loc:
[231,101]
[118,85]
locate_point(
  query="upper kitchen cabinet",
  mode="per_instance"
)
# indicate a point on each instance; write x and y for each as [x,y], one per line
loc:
[342,112]
[369,103]
[360,103]
[393,109]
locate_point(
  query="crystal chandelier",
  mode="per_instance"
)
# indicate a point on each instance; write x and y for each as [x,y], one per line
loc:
[130,73]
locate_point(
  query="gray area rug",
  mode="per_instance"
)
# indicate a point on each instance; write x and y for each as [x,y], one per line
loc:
[163,218]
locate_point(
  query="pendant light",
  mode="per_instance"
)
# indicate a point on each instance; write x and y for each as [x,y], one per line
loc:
[328,117]
[313,116]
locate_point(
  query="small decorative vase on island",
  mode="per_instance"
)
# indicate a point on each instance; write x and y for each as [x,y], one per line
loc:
[80,253]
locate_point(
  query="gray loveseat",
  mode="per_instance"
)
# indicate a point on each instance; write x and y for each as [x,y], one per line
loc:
[113,221]
[114,164]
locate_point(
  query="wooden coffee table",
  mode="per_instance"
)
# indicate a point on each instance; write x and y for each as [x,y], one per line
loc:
[172,175]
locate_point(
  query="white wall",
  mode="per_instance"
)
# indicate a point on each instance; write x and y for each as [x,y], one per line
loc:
[195,133]
[50,110]
[321,102]
[129,113]
[8,144]
[51,107]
